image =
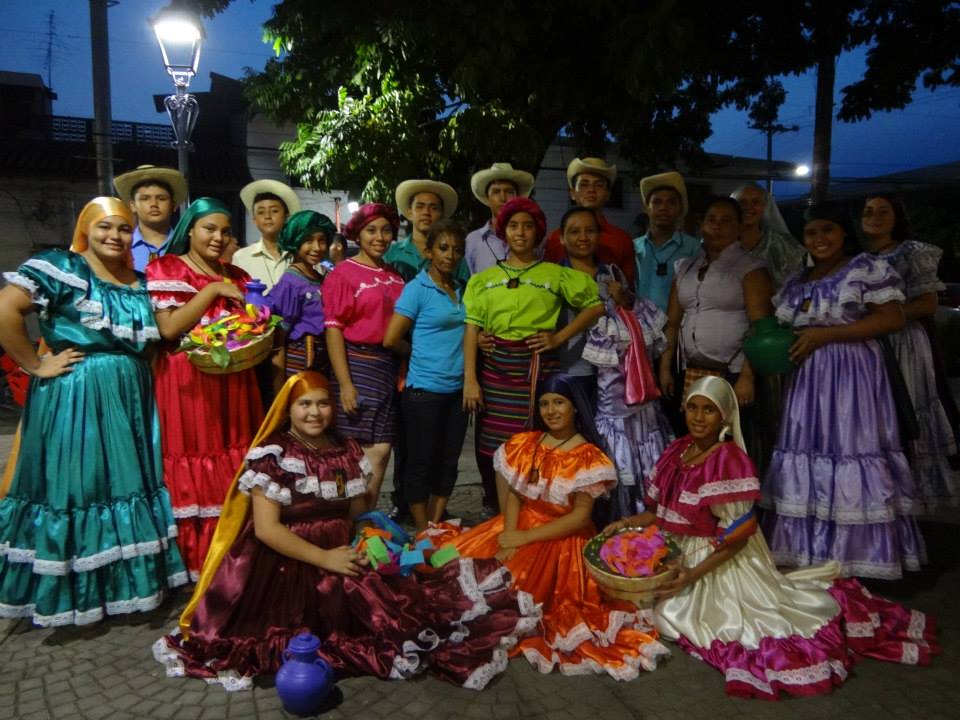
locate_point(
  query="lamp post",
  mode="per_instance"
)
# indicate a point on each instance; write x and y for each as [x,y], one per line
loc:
[180,35]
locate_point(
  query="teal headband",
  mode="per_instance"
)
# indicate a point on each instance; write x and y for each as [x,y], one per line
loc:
[179,242]
[300,226]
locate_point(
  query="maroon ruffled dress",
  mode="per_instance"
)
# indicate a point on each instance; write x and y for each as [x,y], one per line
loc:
[206,421]
[458,622]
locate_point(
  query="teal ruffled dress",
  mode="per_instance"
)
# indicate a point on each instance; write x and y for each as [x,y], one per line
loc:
[86,528]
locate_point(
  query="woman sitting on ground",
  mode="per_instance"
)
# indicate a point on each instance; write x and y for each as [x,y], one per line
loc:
[281,564]
[554,475]
[796,633]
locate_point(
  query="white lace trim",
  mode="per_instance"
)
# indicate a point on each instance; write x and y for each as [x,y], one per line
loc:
[917,625]
[307,484]
[407,663]
[857,516]
[271,490]
[83,617]
[231,680]
[650,653]
[53,271]
[864,629]
[87,562]
[596,482]
[670,515]
[729,487]
[809,675]
[468,584]
[165,304]
[910,654]
[293,465]
[170,286]
[191,511]
[481,676]
[262,451]
[30,286]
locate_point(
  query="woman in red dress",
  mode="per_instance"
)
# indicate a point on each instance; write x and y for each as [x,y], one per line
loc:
[206,421]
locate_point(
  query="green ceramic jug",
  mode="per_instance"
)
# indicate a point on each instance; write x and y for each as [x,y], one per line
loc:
[767,347]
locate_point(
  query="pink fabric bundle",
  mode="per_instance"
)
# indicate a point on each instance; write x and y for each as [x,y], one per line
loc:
[635,553]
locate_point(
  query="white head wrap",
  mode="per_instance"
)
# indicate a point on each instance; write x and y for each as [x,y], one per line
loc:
[771,220]
[720,393]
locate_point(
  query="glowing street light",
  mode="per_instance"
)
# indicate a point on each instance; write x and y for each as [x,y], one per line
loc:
[180,35]
[801,170]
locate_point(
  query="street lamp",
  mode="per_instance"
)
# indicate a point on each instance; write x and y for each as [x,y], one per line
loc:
[180,34]
[801,170]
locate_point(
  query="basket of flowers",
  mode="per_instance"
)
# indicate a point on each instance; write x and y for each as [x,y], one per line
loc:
[631,563]
[233,343]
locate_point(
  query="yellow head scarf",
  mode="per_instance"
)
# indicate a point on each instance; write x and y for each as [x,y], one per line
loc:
[94,211]
[237,504]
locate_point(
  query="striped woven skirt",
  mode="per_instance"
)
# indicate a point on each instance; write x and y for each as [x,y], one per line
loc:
[373,370]
[307,353]
[509,377]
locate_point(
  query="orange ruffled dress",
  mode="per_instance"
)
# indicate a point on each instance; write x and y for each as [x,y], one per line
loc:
[582,631]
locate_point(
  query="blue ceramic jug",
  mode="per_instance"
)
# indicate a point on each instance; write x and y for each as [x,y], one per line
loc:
[305,679]
[254,293]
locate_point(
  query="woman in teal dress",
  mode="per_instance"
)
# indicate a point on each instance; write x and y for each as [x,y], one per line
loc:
[86,528]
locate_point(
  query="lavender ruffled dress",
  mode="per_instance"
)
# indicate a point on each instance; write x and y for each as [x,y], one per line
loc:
[634,436]
[838,484]
[916,263]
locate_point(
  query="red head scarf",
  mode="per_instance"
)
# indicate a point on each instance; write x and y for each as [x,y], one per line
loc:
[517,205]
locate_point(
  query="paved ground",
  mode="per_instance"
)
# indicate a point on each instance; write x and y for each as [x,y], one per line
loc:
[107,671]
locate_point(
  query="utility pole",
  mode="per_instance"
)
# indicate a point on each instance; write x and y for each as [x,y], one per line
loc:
[771,129]
[100,52]
[48,61]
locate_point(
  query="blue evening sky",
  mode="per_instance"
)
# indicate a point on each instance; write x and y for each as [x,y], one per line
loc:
[925,133]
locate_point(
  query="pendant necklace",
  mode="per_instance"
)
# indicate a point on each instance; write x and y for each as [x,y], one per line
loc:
[535,470]
[513,281]
[698,454]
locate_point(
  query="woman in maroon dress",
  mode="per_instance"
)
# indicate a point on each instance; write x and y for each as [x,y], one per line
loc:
[280,563]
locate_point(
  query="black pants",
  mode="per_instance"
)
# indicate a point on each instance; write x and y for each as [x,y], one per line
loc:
[434,425]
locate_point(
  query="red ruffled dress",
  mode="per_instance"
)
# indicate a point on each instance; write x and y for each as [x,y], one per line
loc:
[767,632]
[457,622]
[206,421]
[582,632]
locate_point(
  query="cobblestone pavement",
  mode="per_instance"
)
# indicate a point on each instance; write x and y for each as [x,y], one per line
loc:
[107,670]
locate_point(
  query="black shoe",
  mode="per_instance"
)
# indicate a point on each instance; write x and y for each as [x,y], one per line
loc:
[400,514]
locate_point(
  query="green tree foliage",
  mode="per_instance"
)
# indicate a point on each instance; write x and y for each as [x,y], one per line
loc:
[384,91]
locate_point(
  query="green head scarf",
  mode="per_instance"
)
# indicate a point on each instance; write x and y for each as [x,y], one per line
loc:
[300,226]
[179,242]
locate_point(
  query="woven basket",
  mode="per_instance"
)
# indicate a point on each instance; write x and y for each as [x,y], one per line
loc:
[638,590]
[240,359]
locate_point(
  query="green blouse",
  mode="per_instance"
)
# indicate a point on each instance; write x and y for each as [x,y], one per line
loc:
[513,313]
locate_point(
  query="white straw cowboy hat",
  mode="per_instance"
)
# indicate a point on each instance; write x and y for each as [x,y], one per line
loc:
[670,179]
[500,171]
[275,187]
[409,189]
[168,176]
[592,165]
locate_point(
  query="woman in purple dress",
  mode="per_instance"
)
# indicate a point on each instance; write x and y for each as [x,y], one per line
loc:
[296,297]
[885,230]
[281,563]
[838,484]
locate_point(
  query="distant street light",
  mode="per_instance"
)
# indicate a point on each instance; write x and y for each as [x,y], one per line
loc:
[353,206]
[180,34]
[801,170]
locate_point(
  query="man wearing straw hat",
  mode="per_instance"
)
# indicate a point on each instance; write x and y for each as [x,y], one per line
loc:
[590,181]
[153,193]
[493,187]
[270,203]
[422,202]
[665,199]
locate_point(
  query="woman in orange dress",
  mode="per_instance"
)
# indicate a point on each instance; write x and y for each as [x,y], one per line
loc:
[554,475]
